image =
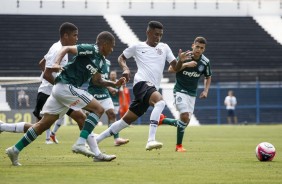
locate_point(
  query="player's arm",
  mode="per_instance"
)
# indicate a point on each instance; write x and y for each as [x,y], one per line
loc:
[99,81]
[64,50]
[124,67]
[177,65]
[42,63]
[207,83]
[47,75]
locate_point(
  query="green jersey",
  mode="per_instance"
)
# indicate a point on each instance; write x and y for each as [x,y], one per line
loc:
[100,92]
[83,66]
[188,78]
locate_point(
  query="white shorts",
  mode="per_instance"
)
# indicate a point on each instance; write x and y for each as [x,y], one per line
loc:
[184,103]
[65,96]
[116,109]
[106,104]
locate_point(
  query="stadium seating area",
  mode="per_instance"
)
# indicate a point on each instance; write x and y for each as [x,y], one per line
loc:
[25,39]
[238,48]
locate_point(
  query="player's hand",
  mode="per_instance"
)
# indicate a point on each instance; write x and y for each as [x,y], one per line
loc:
[183,56]
[57,68]
[204,94]
[120,82]
[126,74]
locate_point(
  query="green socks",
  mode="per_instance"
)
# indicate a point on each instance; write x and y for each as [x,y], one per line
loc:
[28,137]
[180,128]
[89,125]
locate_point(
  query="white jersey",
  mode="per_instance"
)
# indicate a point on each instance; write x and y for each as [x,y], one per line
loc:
[230,102]
[45,87]
[150,61]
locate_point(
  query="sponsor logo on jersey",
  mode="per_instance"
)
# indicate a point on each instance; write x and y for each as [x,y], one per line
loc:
[99,96]
[191,74]
[91,69]
[75,103]
[85,52]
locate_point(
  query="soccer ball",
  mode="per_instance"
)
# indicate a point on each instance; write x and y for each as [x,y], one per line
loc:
[265,151]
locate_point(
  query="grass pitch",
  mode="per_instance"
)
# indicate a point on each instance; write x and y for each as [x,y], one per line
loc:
[216,154]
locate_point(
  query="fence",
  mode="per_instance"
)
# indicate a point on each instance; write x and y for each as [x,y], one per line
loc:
[258,102]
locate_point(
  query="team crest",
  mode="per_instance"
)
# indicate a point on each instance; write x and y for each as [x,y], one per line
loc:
[159,51]
[149,83]
[178,99]
[201,68]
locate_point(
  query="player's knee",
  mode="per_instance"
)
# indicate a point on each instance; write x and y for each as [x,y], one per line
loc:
[111,114]
[99,111]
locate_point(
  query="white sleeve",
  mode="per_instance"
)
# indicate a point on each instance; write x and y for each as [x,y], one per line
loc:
[129,52]
[169,55]
[50,57]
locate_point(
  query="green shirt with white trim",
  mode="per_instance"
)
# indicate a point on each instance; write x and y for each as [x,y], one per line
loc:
[188,78]
[83,66]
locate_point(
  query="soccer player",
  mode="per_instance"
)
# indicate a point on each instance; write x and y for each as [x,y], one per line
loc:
[68,36]
[87,63]
[185,88]
[102,94]
[150,57]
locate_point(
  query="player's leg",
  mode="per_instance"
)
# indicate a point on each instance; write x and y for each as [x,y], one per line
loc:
[119,125]
[52,110]
[118,141]
[20,127]
[82,99]
[108,106]
[79,116]
[185,105]
[40,101]
[57,125]
[31,134]
[155,100]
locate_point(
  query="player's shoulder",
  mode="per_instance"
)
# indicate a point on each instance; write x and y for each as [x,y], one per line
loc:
[108,62]
[56,46]
[204,59]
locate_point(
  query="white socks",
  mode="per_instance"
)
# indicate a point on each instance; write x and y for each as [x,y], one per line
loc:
[154,119]
[93,144]
[115,128]
[13,127]
[57,125]
[91,141]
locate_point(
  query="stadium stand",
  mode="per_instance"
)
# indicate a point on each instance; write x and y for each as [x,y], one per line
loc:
[27,38]
[237,46]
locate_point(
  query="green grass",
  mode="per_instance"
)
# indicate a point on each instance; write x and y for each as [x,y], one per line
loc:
[216,154]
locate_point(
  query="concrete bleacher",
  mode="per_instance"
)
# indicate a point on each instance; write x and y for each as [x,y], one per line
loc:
[25,39]
[238,48]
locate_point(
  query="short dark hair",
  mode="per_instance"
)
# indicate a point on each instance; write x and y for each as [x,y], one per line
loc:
[200,39]
[155,25]
[68,28]
[105,37]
